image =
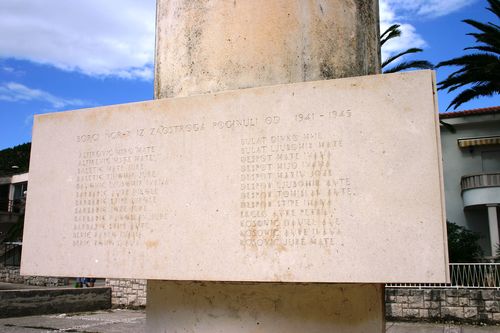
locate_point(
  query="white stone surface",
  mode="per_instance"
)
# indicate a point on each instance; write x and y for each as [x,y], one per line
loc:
[328,181]
[211,307]
[211,46]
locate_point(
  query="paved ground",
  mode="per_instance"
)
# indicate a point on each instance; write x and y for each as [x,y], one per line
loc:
[115,321]
[15,286]
[133,321]
[438,328]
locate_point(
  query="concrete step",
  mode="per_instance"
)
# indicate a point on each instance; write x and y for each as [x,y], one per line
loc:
[38,301]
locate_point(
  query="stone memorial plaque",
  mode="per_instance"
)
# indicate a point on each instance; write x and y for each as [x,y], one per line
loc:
[327,181]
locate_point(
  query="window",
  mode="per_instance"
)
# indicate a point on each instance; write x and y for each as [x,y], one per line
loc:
[491,161]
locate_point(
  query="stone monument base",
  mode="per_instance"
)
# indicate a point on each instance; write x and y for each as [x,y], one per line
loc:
[187,306]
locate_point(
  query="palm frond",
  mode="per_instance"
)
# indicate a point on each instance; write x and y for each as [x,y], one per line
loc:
[494,7]
[487,28]
[489,33]
[480,71]
[476,59]
[484,39]
[488,89]
[399,55]
[473,68]
[417,64]
[391,32]
[483,48]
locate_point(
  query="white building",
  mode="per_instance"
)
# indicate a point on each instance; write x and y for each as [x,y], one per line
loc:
[471,162]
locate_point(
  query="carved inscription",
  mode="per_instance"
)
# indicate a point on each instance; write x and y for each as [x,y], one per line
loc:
[116,192]
[289,182]
[289,185]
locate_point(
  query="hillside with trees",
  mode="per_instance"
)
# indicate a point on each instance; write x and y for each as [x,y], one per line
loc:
[15,160]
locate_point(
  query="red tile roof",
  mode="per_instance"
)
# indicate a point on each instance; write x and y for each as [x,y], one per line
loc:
[473,112]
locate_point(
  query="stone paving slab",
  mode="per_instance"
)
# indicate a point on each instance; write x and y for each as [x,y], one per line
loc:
[134,321]
[392,327]
[113,321]
[16,286]
[19,286]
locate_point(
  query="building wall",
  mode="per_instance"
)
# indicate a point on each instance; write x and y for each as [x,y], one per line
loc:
[458,162]
[474,305]
[10,274]
[127,293]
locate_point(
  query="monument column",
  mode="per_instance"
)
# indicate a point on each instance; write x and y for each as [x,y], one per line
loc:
[207,46]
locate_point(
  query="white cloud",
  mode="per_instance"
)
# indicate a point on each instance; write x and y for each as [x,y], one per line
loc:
[116,37]
[94,37]
[403,11]
[11,71]
[409,36]
[427,8]
[16,92]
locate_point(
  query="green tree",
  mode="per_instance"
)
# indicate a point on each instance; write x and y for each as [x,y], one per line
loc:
[480,69]
[18,156]
[463,244]
[392,32]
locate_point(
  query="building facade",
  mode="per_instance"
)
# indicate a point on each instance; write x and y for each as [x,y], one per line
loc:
[471,164]
[12,200]
[12,203]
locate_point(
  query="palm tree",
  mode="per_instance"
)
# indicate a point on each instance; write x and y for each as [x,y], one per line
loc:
[480,69]
[392,32]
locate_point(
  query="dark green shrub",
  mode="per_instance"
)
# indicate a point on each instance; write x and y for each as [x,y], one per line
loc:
[463,244]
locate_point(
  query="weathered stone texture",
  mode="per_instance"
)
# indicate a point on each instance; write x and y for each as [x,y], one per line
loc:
[443,304]
[198,166]
[11,275]
[188,306]
[15,303]
[208,46]
[127,293]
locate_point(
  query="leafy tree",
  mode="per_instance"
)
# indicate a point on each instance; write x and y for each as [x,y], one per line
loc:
[480,69]
[16,156]
[392,32]
[463,244]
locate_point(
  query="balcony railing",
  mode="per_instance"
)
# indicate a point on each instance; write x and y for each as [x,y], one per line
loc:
[475,275]
[12,206]
[489,179]
[11,255]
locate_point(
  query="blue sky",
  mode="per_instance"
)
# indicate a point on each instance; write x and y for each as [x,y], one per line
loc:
[62,55]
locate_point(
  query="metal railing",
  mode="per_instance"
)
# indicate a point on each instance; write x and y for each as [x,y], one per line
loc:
[12,206]
[480,180]
[12,253]
[470,275]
